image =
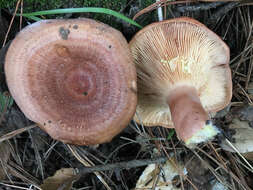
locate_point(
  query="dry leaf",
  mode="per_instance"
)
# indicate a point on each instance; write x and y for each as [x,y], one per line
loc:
[4,157]
[248,155]
[160,177]
[216,185]
[62,180]
[243,137]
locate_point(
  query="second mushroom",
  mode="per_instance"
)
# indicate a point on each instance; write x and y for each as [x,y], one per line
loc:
[183,75]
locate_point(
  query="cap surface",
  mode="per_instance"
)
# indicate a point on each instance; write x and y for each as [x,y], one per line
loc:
[75,78]
[175,53]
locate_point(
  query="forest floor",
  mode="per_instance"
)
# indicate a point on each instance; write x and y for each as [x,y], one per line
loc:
[28,156]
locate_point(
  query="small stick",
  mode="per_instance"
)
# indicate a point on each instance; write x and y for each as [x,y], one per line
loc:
[122,165]
[16,132]
[159,12]
[12,19]
[223,10]
[199,7]
[242,157]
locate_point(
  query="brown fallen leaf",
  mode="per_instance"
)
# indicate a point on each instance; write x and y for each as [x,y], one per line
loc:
[248,155]
[160,177]
[63,179]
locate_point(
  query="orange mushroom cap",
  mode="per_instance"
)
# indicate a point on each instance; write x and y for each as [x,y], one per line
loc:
[183,74]
[75,78]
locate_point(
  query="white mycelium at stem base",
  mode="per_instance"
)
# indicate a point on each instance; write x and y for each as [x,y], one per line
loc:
[189,117]
[175,55]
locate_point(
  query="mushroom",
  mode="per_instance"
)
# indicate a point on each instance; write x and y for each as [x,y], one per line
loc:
[183,75]
[75,78]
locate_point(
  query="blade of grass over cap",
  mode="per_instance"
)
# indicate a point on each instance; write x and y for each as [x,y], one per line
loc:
[34,18]
[80,10]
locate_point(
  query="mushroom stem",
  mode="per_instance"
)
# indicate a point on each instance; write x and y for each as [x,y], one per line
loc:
[189,117]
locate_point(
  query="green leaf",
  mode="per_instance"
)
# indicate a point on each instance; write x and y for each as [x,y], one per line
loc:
[171,133]
[80,10]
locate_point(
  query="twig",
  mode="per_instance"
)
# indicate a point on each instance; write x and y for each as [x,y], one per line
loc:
[246,44]
[21,17]
[18,187]
[221,166]
[249,71]
[87,162]
[160,3]
[159,12]
[218,176]
[237,169]
[122,165]
[242,157]
[245,93]
[16,132]
[12,19]
[223,10]
[199,7]
[217,155]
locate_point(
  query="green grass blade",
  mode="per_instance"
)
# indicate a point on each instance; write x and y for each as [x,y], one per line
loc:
[81,10]
[34,18]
